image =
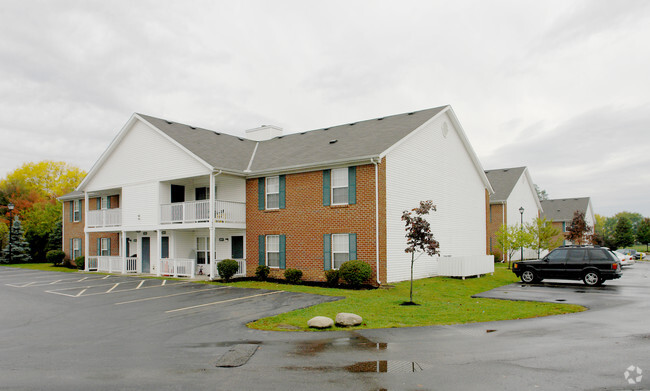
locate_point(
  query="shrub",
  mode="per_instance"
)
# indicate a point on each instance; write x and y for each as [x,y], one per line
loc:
[332,277]
[355,272]
[262,272]
[55,256]
[80,262]
[227,268]
[293,276]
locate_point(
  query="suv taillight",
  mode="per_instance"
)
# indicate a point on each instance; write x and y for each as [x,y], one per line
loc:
[614,266]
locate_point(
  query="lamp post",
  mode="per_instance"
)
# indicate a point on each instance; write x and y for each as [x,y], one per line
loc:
[521,228]
[11,210]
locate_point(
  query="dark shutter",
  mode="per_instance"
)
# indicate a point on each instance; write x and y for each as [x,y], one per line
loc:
[81,208]
[353,246]
[108,202]
[261,251]
[283,251]
[326,187]
[109,246]
[99,246]
[327,252]
[260,194]
[282,192]
[72,249]
[352,185]
[71,210]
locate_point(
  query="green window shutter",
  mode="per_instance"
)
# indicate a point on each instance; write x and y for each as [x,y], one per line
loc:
[326,187]
[353,246]
[108,202]
[71,249]
[327,252]
[109,246]
[71,203]
[352,185]
[99,246]
[261,194]
[81,211]
[282,192]
[81,247]
[261,251]
[99,203]
[283,251]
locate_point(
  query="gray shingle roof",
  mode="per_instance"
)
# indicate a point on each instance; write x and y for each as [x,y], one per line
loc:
[563,209]
[353,141]
[74,195]
[503,180]
[220,150]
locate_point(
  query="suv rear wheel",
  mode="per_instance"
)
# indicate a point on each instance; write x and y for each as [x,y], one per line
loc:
[592,278]
[528,276]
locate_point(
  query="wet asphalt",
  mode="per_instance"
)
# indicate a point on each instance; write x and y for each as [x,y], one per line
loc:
[119,333]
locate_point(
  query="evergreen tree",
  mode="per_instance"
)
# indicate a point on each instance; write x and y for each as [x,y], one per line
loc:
[19,246]
[55,238]
[623,233]
[643,232]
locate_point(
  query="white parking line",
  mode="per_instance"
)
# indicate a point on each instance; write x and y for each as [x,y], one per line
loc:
[141,282]
[81,293]
[174,294]
[59,282]
[222,301]
[58,291]
[115,286]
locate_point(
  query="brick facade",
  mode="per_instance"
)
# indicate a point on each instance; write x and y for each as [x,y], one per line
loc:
[495,218]
[305,220]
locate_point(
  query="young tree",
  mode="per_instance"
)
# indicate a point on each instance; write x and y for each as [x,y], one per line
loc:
[510,239]
[578,229]
[17,251]
[39,222]
[418,234]
[623,234]
[543,235]
[643,232]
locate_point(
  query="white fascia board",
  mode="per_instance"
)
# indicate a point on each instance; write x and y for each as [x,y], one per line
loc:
[531,185]
[313,167]
[463,138]
[111,147]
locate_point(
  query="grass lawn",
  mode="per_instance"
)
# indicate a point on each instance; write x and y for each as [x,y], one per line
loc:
[442,300]
[42,266]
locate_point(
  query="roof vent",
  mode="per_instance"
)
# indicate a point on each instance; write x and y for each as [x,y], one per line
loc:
[169,122]
[354,123]
[264,132]
[379,119]
[410,113]
[192,127]
[333,141]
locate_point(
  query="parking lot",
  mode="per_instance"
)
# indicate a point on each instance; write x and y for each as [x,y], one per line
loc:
[69,331]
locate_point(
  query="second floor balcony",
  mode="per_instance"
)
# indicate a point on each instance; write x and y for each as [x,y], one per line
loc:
[199,212]
[104,218]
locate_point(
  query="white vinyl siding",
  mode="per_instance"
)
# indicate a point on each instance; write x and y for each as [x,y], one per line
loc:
[429,166]
[340,186]
[273,251]
[139,206]
[144,155]
[272,192]
[340,249]
[522,196]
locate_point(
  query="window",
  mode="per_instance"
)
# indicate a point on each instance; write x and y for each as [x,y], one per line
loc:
[273,192]
[340,250]
[598,255]
[273,251]
[339,186]
[76,248]
[77,210]
[576,255]
[557,255]
[202,251]
[105,248]
[164,247]
[105,202]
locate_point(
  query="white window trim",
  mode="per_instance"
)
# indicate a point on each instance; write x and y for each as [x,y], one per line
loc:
[347,238]
[104,202]
[332,187]
[267,193]
[104,247]
[267,252]
[76,211]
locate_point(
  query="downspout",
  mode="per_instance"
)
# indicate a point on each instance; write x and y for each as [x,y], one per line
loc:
[372,160]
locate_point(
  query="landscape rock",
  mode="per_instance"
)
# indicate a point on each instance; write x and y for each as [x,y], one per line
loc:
[320,322]
[347,319]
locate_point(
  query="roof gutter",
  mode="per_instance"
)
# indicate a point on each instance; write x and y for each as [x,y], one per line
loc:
[313,167]
[372,160]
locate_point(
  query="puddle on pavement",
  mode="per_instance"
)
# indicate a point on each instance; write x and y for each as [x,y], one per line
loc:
[580,291]
[221,344]
[311,348]
[380,366]
[560,299]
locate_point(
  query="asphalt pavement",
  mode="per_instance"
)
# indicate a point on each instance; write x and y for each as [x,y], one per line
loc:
[74,331]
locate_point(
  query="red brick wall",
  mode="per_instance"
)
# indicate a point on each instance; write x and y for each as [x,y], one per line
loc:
[305,220]
[493,226]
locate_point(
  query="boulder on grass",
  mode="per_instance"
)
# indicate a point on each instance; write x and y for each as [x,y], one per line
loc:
[346,319]
[320,322]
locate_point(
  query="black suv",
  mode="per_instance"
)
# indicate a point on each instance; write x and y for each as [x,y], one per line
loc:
[591,264]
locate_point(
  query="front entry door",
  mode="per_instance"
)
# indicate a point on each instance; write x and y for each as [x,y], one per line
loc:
[146,245]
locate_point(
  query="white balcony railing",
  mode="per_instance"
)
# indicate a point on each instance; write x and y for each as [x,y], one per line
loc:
[113,264]
[177,267]
[199,211]
[104,218]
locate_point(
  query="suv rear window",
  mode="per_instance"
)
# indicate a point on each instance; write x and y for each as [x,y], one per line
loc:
[598,255]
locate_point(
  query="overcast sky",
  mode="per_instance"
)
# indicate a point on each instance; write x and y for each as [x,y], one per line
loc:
[562,87]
